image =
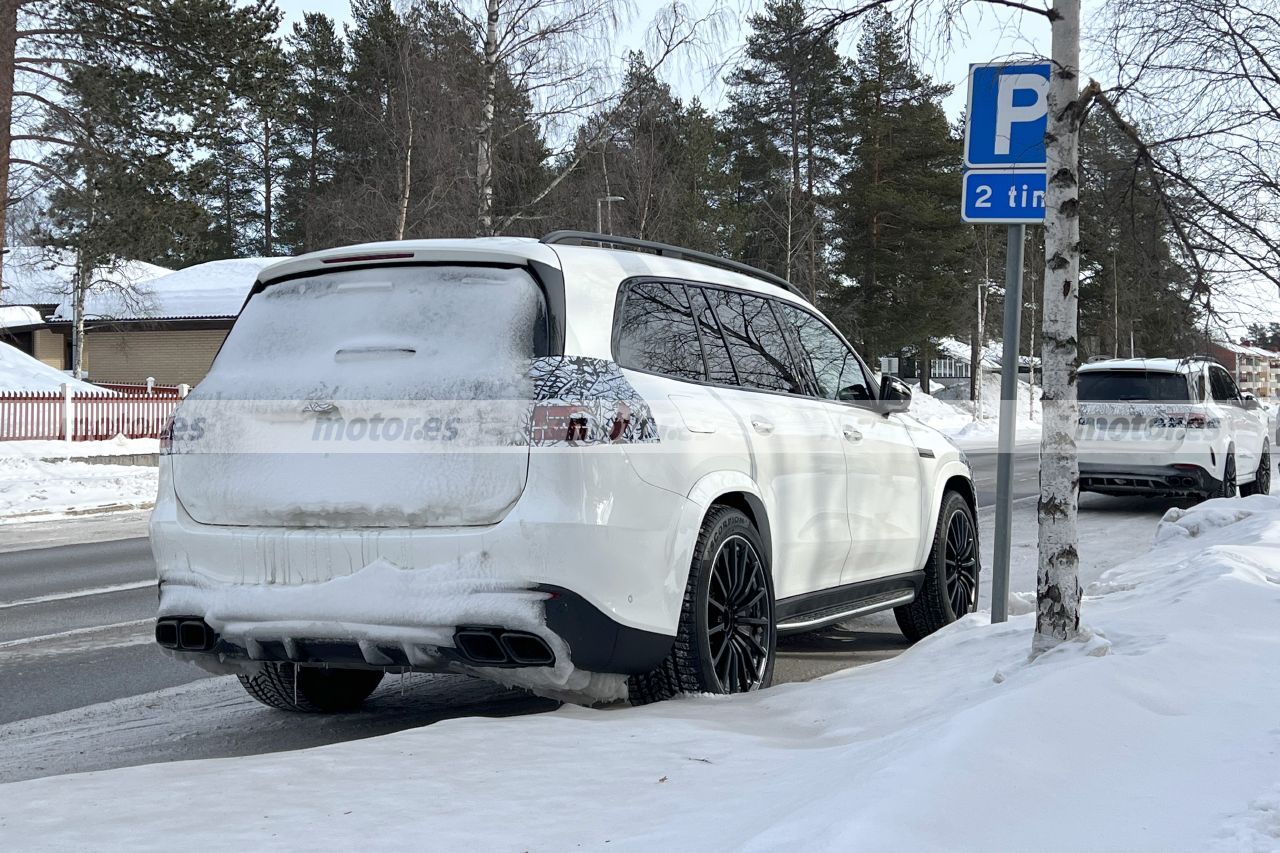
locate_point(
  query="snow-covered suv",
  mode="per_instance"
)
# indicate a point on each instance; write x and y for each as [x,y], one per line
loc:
[1163,426]
[595,472]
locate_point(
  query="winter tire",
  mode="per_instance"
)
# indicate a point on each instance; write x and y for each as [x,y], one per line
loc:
[1261,484]
[726,639]
[950,588]
[310,689]
[1227,488]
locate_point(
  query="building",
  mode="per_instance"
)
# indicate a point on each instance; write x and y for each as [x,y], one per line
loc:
[950,364]
[1255,369]
[147,323]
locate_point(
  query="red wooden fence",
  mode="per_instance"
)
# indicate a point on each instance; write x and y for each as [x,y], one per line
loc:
[26,415]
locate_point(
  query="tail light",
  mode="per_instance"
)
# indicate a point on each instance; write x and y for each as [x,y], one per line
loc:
[575,424]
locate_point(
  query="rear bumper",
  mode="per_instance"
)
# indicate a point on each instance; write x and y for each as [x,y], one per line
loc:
[1112,479]
[574,630]
[592,559]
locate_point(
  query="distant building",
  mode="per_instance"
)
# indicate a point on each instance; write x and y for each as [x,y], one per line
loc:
[950,364]
[1255,369]
[164,324]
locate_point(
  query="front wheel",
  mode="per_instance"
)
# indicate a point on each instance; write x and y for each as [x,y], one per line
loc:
[950,588]
[727,637]
[309,689]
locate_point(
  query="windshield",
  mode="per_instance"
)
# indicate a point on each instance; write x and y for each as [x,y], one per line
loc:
[1133,385]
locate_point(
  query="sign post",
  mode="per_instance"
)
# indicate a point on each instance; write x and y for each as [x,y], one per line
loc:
[1004,183]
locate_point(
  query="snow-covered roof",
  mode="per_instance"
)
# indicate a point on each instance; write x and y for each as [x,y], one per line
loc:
[34,275]
[1243,349]
[21,372]
[991,353]
[212,289]
[17,316]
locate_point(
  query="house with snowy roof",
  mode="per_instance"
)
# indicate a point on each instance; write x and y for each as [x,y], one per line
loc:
[141,321]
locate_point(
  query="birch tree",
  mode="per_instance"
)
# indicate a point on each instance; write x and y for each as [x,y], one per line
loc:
[1202,74]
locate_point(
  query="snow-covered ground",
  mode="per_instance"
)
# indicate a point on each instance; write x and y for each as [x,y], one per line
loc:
[1158,733]
[36,484]
[950,411]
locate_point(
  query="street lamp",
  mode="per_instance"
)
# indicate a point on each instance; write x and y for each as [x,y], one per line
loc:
[610,199]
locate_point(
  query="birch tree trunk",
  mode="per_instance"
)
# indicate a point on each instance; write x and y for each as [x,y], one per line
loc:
[8,54]
[402,208]
[488,108]
[1058,581]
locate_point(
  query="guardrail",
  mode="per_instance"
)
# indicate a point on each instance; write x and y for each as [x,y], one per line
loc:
[84,416]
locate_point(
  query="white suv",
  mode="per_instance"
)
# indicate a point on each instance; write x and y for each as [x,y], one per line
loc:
[590,471]
[1163,426]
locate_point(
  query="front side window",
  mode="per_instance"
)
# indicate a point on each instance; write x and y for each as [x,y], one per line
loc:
[836,371]
[756,341]
[1223,386]
[656,331]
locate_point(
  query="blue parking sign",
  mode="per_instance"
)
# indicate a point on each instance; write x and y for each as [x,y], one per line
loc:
[1007,117]
[999,196]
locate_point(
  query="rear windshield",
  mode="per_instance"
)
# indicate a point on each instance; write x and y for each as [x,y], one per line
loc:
[418,332]
[1133,385]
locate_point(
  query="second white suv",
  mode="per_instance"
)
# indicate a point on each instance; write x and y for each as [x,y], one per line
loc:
[593,472]
[1176,427]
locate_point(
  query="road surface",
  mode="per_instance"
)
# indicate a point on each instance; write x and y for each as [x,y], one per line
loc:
[85,688]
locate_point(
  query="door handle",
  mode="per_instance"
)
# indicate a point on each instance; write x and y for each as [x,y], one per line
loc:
[762,426]
[852,434]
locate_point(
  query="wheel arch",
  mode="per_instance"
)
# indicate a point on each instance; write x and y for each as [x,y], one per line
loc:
[727,488]
[953,476]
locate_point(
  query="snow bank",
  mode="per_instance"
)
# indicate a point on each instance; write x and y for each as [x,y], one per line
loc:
[1159,734]
[21,372]
[950,411]
[118,446]
[32,489]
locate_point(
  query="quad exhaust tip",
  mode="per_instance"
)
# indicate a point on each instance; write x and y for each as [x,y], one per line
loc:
[185,633]
[486,646]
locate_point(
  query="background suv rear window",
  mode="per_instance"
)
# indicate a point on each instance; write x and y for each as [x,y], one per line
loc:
[1136,385]
[657,333]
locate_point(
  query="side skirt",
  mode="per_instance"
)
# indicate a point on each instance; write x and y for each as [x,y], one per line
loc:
[813,610]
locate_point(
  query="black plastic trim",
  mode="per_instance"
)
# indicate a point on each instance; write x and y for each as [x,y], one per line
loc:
[596,642]
[799,606]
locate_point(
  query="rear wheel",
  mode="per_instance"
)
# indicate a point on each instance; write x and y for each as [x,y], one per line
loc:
[1261,484]
[1227,488]
[950,587]
[727,637]
[309,689]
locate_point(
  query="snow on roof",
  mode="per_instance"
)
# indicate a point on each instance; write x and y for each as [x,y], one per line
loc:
[35,275]
[212,289]
[16,316]
[21,372]
[991,354]
[1171,365]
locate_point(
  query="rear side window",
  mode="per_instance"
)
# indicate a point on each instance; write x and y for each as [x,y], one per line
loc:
[657,332]
[835,369]
[1133,386]
[756,341]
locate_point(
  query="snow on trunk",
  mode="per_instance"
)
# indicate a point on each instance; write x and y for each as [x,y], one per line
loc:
[1058,583]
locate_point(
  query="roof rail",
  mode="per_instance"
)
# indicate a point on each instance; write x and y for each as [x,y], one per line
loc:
[580,238]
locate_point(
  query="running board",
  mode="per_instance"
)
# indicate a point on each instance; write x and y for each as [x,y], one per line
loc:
[815,610]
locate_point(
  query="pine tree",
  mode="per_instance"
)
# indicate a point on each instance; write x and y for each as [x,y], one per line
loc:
[901,242]
[784,121]
[318,57]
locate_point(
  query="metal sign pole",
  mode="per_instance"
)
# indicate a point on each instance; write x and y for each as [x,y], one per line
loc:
[1008,421]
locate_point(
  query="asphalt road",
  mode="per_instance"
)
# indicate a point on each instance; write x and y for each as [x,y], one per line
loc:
[75,632]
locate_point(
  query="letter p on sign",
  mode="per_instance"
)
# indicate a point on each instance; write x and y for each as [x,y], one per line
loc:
[1007,117]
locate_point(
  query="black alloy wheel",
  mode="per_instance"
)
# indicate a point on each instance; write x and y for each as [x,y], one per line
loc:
[961,560]
[738,616]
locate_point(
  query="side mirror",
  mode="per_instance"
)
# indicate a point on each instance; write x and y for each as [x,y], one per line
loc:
[1250,402]
[895,396]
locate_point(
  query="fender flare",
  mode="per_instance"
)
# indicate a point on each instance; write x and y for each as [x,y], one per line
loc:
[946,471]
[705,492]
